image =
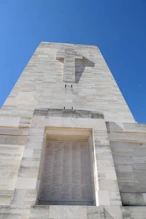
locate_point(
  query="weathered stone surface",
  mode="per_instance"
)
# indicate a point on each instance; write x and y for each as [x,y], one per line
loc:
[9,121]
[67,95]
[69,56]
[67,178]
[68,113]
[7,212]
[134,212]
[128,144]
[41,84]
[39,212]
[133,199]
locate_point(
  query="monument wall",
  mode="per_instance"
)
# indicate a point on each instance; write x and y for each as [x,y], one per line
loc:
[128,145]
[41,84]
[94,166]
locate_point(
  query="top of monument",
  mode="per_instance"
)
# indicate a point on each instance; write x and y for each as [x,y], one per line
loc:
[68,44]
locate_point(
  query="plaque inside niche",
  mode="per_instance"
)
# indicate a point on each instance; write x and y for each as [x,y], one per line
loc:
[67,170]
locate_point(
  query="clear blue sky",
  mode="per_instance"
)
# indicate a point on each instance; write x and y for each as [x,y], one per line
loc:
[117,27]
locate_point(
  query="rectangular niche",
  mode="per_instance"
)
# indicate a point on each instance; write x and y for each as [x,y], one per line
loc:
[66,173]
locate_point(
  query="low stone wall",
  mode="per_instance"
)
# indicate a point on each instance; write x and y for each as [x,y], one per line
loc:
[71,212]
[128,145]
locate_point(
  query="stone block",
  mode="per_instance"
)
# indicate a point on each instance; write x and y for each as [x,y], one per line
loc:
[26,183]
[9,121]
[12,139]
[7,183]
[103,198]
[26,98]
[24,198]
[5,197]
[7,212]
[31,172]
[13,131]
[39,212]
[138,212]
[70,212]
[94,212]
[115,126]
[111,175]
[133,199]
[113,212]
[28,153]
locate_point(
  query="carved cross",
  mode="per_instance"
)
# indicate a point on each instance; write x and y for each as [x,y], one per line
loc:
[69,56]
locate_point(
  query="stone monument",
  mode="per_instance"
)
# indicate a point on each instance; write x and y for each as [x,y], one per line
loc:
[69,145]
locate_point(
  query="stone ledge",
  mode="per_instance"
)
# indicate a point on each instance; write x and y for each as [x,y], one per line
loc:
[78,212]
[69,113]
[120,127]
[133,199]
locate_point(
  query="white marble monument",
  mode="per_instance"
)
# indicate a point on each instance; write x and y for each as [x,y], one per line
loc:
[69,145]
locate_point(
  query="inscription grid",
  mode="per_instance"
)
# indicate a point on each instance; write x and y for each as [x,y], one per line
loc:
[67,172]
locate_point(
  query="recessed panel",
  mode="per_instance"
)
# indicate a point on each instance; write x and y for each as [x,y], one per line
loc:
[67,177]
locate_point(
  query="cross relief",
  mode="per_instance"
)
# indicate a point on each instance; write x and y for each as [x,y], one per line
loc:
[69,56]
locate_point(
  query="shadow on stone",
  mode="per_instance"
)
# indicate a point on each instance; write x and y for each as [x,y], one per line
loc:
[107,215]
[80,67]
[68,113]
[112,126]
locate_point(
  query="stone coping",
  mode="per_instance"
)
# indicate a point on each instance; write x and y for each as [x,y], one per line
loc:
[69,113]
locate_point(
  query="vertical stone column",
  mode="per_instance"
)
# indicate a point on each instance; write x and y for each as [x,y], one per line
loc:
[108,194]
[108,186]
[27,181]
